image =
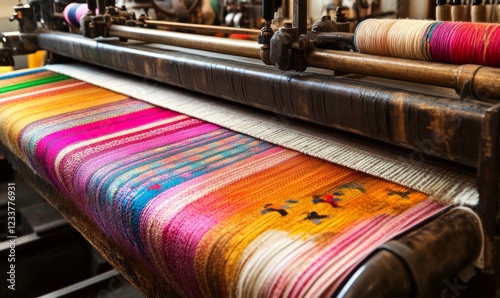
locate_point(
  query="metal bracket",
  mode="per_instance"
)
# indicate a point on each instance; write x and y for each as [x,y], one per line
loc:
[287,49]
[98,25]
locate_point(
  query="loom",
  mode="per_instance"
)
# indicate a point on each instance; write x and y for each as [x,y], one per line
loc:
[445,118]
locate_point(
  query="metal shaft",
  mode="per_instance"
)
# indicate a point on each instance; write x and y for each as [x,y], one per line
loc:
[480,81]
[200,42]
[205,28]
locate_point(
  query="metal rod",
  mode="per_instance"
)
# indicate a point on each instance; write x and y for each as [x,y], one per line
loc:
[208,43]
[204,28]
[300,15]
[480,81]
[328,38]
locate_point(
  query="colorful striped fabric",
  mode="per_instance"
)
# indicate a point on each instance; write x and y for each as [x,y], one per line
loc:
[214,212]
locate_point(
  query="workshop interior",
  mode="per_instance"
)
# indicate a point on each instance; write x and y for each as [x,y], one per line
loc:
[250,148]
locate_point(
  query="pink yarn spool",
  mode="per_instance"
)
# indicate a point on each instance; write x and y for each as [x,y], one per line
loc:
[73,12]
[466,43]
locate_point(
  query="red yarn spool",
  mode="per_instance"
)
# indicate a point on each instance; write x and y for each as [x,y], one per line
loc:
[465,43]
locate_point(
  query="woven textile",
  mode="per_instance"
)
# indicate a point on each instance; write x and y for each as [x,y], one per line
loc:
[214,212]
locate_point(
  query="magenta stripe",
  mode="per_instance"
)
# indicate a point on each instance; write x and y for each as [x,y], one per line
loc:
[93,130]
[429,210]
[54,149]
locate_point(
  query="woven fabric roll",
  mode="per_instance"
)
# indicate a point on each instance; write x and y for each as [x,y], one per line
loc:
[214,212]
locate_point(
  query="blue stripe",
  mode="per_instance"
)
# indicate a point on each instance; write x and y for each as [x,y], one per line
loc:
[16,74]
[72,15]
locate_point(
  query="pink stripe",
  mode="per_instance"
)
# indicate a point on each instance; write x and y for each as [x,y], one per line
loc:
[361,243]
[68,164]
[50,146]
[92,130]
[430,210]
[189,218]
[163,141]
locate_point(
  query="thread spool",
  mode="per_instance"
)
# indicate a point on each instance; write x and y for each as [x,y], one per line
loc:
[457,11]
[403,35]
[73,12]
[478,12]
[450,42]
[443,11]
[493,12]
[467,12]
[489,12]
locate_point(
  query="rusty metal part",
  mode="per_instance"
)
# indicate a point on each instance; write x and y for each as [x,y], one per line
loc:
[341,21]
[417,263]
[207,43]
[264,39]
[25,15]
[482,81]
[99,25]
[332,40]
[281,44]
[437,126]
[370,280]
[325,24]
[300,15]
[20,43]
[204,28]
